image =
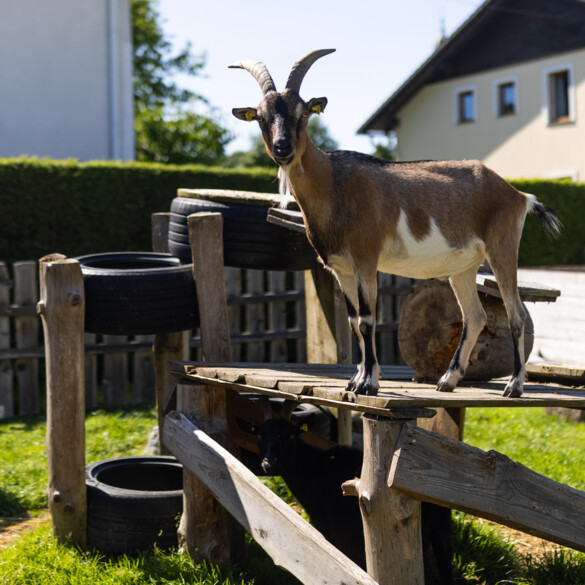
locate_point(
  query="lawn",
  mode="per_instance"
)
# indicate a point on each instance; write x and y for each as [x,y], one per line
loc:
[545,444]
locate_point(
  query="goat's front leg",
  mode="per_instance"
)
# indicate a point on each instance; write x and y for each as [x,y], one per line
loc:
[361,311]
[474,320]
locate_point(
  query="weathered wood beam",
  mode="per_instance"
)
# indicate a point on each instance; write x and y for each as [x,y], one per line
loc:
[62,308]
[392,519]
[285,536]
[487,484]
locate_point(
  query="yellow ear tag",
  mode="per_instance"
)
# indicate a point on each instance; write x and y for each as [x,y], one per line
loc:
[317,109]
[304,427]
[249,116]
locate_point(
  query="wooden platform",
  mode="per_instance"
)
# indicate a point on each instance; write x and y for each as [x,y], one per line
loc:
[325,384]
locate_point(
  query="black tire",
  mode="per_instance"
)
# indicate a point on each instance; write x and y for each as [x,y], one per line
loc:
[137,293]
[133,503]
[249,241]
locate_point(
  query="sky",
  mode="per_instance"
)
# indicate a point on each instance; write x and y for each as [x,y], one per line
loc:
[379,44]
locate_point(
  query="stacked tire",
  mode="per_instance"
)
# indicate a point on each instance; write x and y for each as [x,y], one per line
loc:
[138,293]
[249,240]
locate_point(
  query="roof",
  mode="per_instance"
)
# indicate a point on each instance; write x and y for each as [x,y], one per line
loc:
[498,34]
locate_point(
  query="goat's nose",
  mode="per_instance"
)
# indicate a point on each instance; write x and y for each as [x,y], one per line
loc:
[282,146]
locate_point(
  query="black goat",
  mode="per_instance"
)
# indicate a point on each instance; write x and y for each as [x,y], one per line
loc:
[314,476]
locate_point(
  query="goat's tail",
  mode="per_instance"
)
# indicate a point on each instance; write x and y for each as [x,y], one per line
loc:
[548,218]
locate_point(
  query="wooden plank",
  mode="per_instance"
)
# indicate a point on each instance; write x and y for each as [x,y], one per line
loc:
[487,484]
[62,308]
[233,197]
[255,317]
[91,373]
[26,332]
[115,374]
[277,317]
[6,372]
[290,541]
[301,317]
[571,375]
[233,287]
[528,292]
[143,373]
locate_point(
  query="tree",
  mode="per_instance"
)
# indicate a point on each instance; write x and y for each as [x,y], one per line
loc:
[166,129]
[257,156]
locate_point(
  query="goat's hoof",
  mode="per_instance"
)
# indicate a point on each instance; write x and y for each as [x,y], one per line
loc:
[448,382]
[366,388]
[514,389]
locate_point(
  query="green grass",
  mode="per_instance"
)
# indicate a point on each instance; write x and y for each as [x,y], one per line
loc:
[38,558]
[545,444]
[23,481]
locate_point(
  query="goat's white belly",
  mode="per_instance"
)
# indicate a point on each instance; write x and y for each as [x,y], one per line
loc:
[431,257]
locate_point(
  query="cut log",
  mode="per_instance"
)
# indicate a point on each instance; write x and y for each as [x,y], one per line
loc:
[430,328]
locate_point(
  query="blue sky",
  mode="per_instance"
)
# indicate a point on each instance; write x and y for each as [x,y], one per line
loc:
[379,44]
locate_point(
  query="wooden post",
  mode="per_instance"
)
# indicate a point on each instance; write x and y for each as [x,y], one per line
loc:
[6,374]
[206,529]
[392,527]
[26,332]
[62,308]
[206,237]
[166,346]
[328,334]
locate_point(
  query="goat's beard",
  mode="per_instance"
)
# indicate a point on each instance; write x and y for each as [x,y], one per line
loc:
[284,187]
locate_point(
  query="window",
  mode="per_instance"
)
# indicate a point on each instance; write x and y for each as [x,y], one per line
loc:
[558,91]
[506,99]
[465,106]
[559,95]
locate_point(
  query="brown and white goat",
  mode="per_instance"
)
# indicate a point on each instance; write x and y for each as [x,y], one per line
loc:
[429,219]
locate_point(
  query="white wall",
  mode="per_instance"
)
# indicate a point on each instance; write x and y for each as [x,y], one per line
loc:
[559,327]
[519,145]
[66,79]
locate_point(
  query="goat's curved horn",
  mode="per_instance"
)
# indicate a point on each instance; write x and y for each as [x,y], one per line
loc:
[260,73]
[301,66]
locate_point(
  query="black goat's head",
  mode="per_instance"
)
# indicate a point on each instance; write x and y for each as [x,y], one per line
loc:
[282,116]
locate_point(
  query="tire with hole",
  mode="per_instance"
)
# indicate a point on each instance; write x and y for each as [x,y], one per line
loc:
[133,503]
[137,293]
[249,240]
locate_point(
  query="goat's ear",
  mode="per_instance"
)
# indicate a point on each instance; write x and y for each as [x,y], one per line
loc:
[246,426]
[317,105]
[246,114]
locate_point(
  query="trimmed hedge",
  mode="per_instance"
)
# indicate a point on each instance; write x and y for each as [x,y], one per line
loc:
[76,208]
[568,201]
[84,208]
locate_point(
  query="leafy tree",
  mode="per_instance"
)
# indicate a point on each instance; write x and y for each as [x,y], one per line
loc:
[166,130]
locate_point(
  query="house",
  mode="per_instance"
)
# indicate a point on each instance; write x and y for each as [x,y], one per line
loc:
[508,88]
[66,79]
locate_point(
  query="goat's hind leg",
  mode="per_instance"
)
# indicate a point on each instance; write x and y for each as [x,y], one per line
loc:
[508,285]
[474,320]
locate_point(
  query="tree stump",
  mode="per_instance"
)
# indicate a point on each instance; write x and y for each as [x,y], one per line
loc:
[430,328]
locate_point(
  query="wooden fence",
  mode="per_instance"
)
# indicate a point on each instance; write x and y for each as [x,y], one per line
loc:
[267,323]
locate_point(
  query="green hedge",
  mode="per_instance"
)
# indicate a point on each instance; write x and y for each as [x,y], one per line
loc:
[568,200]
[76,208]
[84,208]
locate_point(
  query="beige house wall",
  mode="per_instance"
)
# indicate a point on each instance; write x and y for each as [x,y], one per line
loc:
[524,144]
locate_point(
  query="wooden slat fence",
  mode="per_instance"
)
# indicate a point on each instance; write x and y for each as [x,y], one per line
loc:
[267,322]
